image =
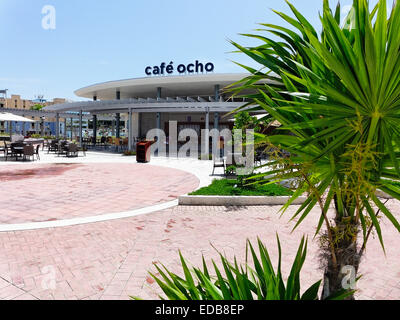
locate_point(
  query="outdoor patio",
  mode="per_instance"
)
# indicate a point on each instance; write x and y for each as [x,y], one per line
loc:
[110,260]
[57,254]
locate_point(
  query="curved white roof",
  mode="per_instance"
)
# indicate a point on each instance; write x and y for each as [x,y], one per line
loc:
[172,86]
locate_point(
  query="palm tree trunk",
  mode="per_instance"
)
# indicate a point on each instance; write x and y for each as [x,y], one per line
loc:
[343,276]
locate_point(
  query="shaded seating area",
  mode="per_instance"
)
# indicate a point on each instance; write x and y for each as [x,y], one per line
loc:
[66,148]
[107,143]
[53,146]
[72,150]
[21,151]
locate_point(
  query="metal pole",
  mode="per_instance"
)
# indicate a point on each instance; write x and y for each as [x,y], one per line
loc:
[216,120]
[57,125]
[71,128]
[65,128]
[140,125]
[42,126]
[118,125]
[23,127]
[118,117]
[207,137]
[217,90]
[130,138]
[158,115]
[80,127]
[94,129]
[10,128]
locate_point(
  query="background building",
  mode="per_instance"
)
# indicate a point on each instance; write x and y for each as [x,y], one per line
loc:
[195,102]
[45,124]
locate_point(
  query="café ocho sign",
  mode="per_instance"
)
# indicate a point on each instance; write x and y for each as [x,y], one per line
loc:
[166,69]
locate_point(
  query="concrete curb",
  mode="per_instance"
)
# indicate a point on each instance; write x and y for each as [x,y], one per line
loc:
[383,195]
[236,201]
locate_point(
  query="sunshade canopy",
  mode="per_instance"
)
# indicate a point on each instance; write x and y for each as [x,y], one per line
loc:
[12,117]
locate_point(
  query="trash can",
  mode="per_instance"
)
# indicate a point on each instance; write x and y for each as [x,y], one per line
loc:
[143,151]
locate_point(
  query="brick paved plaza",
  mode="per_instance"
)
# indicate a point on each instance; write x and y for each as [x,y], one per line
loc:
[110,259]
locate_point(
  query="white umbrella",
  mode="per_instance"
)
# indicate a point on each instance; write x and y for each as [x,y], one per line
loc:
[12,117]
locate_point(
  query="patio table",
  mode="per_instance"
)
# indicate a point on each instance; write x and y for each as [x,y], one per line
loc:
[34,141]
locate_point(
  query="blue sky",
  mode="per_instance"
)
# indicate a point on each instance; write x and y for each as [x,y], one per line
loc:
[99,40]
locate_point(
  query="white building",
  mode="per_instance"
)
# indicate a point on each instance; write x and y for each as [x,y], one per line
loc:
[194,101]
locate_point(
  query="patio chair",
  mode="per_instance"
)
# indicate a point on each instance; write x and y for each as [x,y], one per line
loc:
[2,147]
[72,150]
[125,143]
[53,146]
[219,163]
[46,144]
[17,149]
[109,140]
[62,148]
[117,144]
[7,151]
[103,142]
[29,151]
[83,148]
[37,152]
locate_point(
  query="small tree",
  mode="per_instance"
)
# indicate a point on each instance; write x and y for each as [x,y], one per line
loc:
[37,107]
[337,93]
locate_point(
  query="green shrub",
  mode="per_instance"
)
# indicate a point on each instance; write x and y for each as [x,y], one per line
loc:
[234,282]
[230,171]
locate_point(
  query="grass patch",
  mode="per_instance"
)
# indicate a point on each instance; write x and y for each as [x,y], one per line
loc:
[234,188]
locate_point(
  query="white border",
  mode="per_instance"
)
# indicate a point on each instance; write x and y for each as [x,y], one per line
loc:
[87,220]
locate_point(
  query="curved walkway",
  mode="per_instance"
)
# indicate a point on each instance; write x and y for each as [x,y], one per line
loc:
[56,192]
[200,169]
[110,259]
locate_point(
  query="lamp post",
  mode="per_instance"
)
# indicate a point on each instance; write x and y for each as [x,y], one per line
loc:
[42,126]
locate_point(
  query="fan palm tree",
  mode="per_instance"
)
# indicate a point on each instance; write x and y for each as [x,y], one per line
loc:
[337,96]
